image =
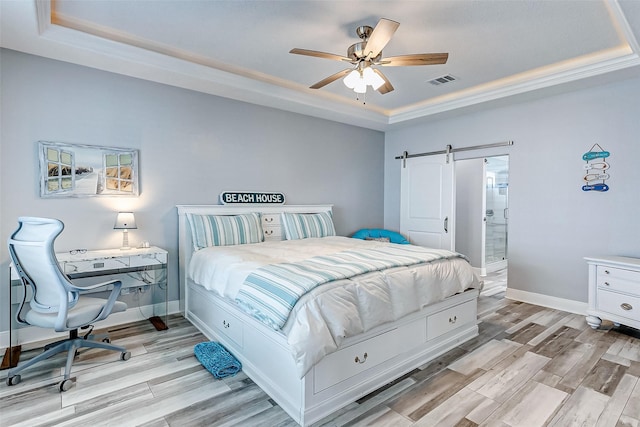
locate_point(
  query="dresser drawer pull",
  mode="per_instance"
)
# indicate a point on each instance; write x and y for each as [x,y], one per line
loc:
[606,272]
[626,306]
[364,359]
[268,219]
[453,319]
[607,284]
[268,232]
[225,324]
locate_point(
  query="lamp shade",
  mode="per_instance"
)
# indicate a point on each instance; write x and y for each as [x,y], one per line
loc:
[125,221]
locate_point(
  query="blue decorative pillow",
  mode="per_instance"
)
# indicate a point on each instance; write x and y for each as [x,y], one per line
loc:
[379,233]
[223,230]
[302,226]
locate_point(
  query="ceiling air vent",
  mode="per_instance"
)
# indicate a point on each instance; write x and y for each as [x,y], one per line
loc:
[442,80]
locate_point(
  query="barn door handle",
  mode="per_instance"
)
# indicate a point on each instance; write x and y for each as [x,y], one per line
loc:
[446,224]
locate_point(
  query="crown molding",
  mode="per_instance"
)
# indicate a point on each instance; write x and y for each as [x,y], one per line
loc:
[505,88]
[40,31]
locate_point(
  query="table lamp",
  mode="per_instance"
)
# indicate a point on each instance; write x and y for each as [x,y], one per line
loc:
[125,221]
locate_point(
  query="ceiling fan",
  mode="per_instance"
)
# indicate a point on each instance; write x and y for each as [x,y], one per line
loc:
[367,53]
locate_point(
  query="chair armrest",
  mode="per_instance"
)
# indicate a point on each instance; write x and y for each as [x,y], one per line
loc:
[115,292]
[73,287]
[61,321]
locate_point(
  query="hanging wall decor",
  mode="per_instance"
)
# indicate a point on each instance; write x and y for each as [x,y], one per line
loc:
[596,169]
[76,170]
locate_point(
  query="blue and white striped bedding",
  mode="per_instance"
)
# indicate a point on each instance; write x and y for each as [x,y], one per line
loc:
[271,292]
[327,314]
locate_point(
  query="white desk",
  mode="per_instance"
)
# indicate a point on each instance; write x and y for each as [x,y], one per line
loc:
[149,263]
[146,266]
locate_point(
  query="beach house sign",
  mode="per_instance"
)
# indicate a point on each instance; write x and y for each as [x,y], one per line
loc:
[250,197]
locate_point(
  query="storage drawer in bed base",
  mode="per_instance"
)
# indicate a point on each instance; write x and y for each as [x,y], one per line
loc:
[267,361]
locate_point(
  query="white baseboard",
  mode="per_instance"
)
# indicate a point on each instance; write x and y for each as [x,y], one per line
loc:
[568,305]
[33,334]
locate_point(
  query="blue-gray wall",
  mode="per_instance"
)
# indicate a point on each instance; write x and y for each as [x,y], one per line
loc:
[553,224]
[192,147]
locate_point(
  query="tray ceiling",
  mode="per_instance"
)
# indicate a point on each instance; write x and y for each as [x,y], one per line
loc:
[240,49]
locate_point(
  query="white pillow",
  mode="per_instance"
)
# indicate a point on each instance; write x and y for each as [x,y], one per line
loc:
[224,230]
[302,226]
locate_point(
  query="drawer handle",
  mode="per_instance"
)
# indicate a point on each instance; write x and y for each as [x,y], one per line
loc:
[225,324]
[626,306]
[606,272]
[606,284]
[357,360]
[268,232]
[453,319]
[267,219]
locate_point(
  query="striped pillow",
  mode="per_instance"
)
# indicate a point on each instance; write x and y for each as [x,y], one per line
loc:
[301,226]
[224,230]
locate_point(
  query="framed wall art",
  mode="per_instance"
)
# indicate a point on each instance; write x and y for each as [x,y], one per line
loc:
[76,170]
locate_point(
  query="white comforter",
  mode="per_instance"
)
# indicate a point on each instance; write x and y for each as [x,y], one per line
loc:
[327,315]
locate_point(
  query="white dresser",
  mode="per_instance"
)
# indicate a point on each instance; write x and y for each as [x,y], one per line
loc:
[614,291]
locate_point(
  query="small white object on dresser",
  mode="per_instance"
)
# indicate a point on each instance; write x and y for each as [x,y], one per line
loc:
[614,291]
[271,226]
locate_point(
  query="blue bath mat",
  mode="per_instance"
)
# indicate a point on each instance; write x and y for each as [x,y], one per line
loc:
[216,359]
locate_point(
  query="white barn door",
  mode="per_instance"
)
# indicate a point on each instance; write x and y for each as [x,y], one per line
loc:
[427,201]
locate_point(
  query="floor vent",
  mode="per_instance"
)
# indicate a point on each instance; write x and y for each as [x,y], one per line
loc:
[442,80]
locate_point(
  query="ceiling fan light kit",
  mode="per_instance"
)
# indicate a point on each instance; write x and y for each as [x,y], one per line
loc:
[358,80]
[367,53]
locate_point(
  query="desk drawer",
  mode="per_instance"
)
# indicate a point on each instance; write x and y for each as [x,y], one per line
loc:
[148,259]
[352,360]
[71,267]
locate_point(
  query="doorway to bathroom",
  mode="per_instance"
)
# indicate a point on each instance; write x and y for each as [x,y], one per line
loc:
[482,216]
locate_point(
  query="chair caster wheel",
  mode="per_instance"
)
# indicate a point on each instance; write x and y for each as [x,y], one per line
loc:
[107,340]
[65,385]
[125,356]
[13,380]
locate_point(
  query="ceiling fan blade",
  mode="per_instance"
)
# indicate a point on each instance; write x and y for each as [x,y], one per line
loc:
[319,54]
[418,59]
[415,59]
[386,87]
[380,36]
[331,79]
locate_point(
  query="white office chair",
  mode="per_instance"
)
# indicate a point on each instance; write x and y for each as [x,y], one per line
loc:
[56,302]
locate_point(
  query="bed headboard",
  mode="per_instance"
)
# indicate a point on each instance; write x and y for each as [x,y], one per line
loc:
[270,217]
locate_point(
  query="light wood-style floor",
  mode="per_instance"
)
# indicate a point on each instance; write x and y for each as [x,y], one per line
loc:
[530,366]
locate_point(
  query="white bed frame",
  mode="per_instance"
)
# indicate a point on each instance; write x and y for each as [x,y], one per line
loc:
[363,363]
